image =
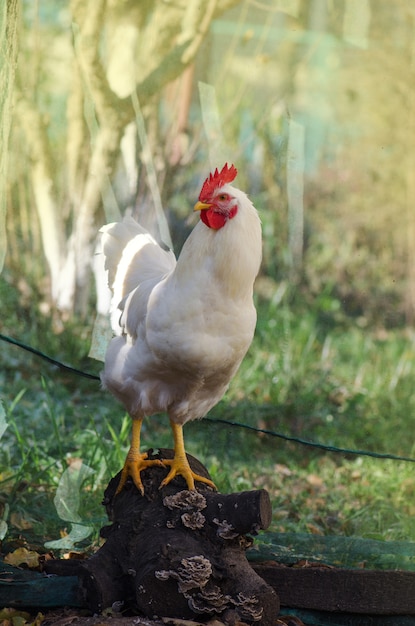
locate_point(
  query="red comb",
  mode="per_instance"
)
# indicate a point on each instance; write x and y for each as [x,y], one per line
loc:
[216,180]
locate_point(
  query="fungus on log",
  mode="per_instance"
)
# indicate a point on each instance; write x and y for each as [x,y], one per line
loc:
[178,553]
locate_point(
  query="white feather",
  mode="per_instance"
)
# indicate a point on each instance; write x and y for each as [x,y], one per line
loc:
[132,258]
[186,325]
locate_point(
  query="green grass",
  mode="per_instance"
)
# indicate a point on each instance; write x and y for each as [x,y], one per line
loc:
[312,374]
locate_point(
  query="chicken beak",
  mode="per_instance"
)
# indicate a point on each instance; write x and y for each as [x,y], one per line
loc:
[200,206]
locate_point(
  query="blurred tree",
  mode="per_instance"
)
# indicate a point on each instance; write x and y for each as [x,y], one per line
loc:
[9,17]
[123,54]
[303,95]
[410,165]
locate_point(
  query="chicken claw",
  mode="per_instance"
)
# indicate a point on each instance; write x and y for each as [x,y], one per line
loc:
[133,466]
[179,465]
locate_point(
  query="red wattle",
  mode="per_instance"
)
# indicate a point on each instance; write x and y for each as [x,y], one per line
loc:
[216,220]
[212,219]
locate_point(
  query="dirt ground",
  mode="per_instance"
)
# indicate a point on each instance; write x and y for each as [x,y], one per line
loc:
[76,617]
[69,617]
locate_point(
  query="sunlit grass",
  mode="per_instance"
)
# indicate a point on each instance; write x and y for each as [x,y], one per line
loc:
[319,378]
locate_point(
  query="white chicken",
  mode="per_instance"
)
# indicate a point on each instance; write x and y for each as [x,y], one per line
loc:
[182,327]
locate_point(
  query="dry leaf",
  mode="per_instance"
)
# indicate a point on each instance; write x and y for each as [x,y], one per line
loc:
[314,480]
[22,556]
[21,523]
[13,617]
[313,529]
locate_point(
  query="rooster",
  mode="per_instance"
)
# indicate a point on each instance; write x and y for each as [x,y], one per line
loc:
[183,327]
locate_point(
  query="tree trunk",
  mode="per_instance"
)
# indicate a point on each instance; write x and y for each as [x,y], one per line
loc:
[410,182]
[9,19]
[49,212]
[155,42]
[178,553]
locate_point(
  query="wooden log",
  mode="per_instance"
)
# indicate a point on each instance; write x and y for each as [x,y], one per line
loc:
[339,551]
[21,589]
[179,554]
[359,591]
[246,512]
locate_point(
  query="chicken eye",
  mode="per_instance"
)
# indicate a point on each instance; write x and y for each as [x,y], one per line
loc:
[222,196]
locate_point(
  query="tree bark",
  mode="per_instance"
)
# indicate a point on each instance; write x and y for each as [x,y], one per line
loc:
[9,20]
[178,553]
[164,41]
[49,212]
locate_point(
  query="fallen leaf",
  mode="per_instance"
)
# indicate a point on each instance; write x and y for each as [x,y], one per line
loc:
[72,554]
[314,480]
[20,522]
[283,470]
[38,620]
[13,617]
[22,556]
[313,529]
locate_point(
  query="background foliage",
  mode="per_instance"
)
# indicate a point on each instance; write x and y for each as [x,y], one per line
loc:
[114,106]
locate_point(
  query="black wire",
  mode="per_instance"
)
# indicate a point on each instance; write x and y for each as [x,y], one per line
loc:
[313,444]
[264,431]
[45,357]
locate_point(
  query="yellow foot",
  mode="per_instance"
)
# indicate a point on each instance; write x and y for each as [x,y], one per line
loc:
[134,464]
[181,467]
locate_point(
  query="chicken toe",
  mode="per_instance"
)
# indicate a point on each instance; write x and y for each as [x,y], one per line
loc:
[133,466]
[135,461]
[179,465]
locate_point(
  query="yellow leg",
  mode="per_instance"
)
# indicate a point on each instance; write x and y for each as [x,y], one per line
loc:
[135,461]
[179,465]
